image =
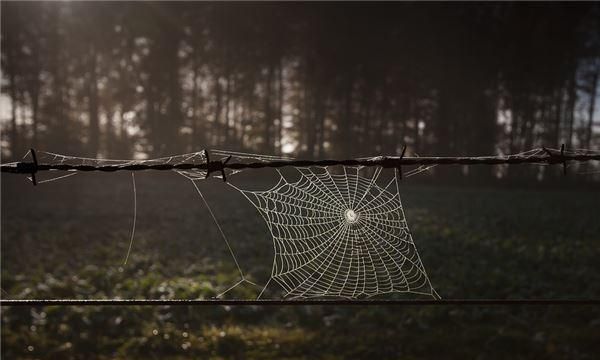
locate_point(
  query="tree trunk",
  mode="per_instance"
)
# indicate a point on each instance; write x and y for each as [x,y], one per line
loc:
[347,122]
[35,105]
[174,120]
[194,121]
[94,129]
[310,132]
[10,44]
[528,124]
[443,115]
[570,110]
[268,110]
[14,133]
[124,151]
[320,108]
[111,147]
[280,107]
[414,114]
[34,94]
[151,115]
[591,109]
[227,128]
[217,120]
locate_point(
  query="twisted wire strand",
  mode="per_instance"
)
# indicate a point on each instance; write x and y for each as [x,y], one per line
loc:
[550,157]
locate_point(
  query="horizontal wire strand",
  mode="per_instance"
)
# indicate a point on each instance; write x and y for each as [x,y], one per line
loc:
[303,302]
[385,162]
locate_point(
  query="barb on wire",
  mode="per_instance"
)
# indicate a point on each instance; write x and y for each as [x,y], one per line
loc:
[27,167]
[400,160]
[550,157]
[554,158]
[212,166]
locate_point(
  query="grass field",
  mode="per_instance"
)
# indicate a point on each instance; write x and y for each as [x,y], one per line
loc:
[68,239]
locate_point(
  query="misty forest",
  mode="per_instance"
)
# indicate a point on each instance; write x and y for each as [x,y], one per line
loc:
[122,80]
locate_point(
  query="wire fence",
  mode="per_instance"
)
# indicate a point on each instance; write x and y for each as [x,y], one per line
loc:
[548,157]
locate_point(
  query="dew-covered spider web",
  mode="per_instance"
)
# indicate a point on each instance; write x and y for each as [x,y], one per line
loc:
[340,234]
[337,231]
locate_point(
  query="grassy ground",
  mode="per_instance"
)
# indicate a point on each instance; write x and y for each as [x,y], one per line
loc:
[68,239]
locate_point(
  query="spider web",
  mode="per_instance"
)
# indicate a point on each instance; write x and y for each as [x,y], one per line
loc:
[340,235]
[336,232]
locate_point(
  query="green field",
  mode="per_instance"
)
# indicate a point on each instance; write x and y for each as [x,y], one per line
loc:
[68,239]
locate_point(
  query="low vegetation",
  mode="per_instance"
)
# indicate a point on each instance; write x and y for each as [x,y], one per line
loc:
[68,240]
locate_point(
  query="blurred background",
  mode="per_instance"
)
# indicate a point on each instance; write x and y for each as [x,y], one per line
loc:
[148,79]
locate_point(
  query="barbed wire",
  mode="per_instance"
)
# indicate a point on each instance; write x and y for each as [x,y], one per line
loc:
[548,157]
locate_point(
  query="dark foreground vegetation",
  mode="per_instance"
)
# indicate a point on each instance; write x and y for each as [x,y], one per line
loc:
[68,239]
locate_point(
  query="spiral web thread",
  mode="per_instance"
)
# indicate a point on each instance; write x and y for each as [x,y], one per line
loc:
[340,235]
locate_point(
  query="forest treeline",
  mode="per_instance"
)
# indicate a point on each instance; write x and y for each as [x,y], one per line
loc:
[123,79]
